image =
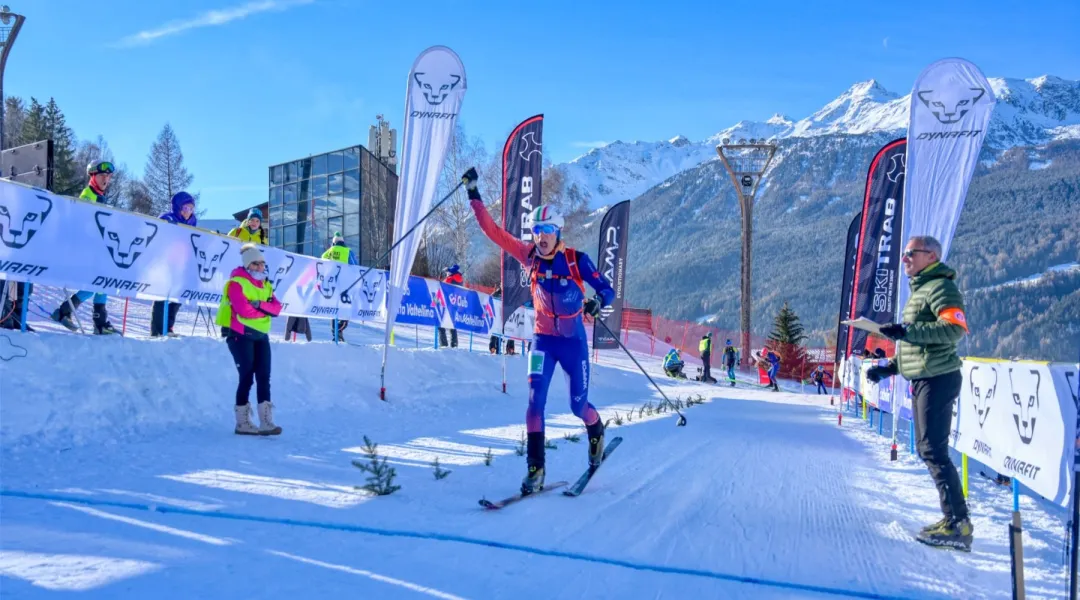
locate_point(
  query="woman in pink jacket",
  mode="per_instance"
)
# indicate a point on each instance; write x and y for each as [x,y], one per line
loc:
[247,304]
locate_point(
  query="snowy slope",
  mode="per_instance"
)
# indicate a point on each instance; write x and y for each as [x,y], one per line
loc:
[121,479]
[1029,112]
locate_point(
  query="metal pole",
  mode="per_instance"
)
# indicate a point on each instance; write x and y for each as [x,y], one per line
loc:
[7,39]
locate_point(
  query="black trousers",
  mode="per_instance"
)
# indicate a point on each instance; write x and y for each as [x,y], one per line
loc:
[341,325]
[442,338]
[706,360]
[156,316]
[252,358]
[932,402]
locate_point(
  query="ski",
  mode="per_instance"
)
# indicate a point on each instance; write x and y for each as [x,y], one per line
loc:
[496,505]
[583,481]
[1001,480]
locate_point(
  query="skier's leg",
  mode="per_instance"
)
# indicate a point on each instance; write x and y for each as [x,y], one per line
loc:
[541,368]
[156,315]
[574,358]
[174,309]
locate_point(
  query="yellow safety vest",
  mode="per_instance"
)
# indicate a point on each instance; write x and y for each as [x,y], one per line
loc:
[338,253]
[88,193]
[251,292]
[705,346]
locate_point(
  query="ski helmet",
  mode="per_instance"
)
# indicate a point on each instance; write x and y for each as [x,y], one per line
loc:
[545,215]
[100,166]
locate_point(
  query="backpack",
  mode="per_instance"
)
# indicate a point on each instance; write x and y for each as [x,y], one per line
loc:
[575,276]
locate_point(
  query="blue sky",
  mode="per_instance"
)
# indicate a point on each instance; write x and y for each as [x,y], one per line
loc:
[250,83]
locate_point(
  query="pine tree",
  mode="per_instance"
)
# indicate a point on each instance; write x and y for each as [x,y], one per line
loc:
[33,129]
[14,120]
[165,171]
[68,178]
[786,340]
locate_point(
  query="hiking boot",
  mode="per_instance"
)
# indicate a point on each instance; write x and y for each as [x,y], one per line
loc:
[957,535]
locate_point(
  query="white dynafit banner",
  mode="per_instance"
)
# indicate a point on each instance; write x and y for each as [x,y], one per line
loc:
[1019,418]
[434,94]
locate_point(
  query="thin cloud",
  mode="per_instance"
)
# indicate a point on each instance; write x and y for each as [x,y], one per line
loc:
[210,18]
[589,144]
[885,43]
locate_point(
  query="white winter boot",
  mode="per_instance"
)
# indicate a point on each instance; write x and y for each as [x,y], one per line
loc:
[266,420]
[244,426]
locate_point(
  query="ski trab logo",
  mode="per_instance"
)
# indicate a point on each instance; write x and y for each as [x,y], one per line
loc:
[209,252]
[1025,392]
[327,275]
[19,221]
[126,239]
[949,106]
[435,87]
[897,167]
[530,147]
[983,384]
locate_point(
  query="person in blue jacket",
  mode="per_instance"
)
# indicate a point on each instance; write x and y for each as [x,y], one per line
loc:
[774,367]
[557,276]
[673,364]
[182,213]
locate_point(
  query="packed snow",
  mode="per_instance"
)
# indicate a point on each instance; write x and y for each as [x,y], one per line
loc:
[122,479]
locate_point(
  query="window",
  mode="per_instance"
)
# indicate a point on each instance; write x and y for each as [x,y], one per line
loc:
[289,194]
[352,158]
[318,186]
[305,190]
[275,196]
[275,214]
[305,168]
[277,175]
[352,183]
[288,215]
[321,214]
[334,162]
[352,205]
[303,211]
[291,172]
[334,224]
[318,165]
[335,205]
[353,242]
[275,237]
[337,183]
[352,225]
[289,236]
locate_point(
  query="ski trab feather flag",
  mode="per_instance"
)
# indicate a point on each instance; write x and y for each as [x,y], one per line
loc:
[522,165]
[877,258]
[614,234]
[433,98]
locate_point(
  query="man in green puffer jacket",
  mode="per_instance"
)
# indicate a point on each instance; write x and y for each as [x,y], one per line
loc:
[933,323]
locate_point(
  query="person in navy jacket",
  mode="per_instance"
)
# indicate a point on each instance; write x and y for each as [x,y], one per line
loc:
[182,213]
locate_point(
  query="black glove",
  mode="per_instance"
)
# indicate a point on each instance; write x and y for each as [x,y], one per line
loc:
[894,331]
[470,178]
[876,374]
[593,306]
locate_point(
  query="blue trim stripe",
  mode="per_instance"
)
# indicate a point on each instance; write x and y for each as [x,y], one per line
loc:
[454,538]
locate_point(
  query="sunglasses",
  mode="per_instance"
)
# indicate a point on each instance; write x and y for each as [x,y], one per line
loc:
[911,253]
[548,229]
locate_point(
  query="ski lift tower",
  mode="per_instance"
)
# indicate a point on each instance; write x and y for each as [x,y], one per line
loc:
[745,162]
[10,23]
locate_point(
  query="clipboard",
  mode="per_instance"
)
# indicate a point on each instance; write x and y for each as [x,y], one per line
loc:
[864,324]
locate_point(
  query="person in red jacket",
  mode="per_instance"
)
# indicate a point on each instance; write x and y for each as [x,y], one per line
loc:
[452,276]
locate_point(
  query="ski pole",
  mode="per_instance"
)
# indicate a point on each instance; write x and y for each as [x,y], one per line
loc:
[402,238]
[682,419]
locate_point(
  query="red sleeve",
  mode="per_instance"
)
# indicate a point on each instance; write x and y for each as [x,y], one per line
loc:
[513,246]
[240,305]
[271,306]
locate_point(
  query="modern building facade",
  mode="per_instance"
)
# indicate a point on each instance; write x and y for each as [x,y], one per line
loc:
[347,190]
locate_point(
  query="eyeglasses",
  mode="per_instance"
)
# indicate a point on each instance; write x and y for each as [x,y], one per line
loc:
[911,253]
[546,228]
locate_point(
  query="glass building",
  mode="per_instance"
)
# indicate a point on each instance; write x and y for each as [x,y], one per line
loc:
[347,190]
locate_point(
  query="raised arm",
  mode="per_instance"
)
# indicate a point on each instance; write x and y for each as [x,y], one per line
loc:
[502,238]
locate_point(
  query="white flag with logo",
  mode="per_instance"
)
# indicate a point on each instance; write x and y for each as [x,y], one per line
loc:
[436,90]
[951,104]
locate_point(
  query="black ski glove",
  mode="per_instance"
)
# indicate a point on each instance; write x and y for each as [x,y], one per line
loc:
[876,374]
[894,331]
[593,306]
[470,178]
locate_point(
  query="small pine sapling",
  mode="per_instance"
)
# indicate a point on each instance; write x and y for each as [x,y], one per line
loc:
[439,472]
[488,457]
[550,444]
[520,450]
[572,437]
[380,479]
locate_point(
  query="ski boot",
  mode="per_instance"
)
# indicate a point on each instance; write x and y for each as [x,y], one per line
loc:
[62,314]
[534,479]
[955,534]
[943,521]
[102,326]
[266,420]
[244,426]
[596,443]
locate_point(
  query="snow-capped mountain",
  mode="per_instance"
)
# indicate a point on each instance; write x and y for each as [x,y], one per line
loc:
[1029,112]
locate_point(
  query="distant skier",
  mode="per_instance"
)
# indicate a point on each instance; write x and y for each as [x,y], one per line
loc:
[673,364]
[730,359]
[247,304]
[819,378]
[558,275]
[774,368]
[705,351]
